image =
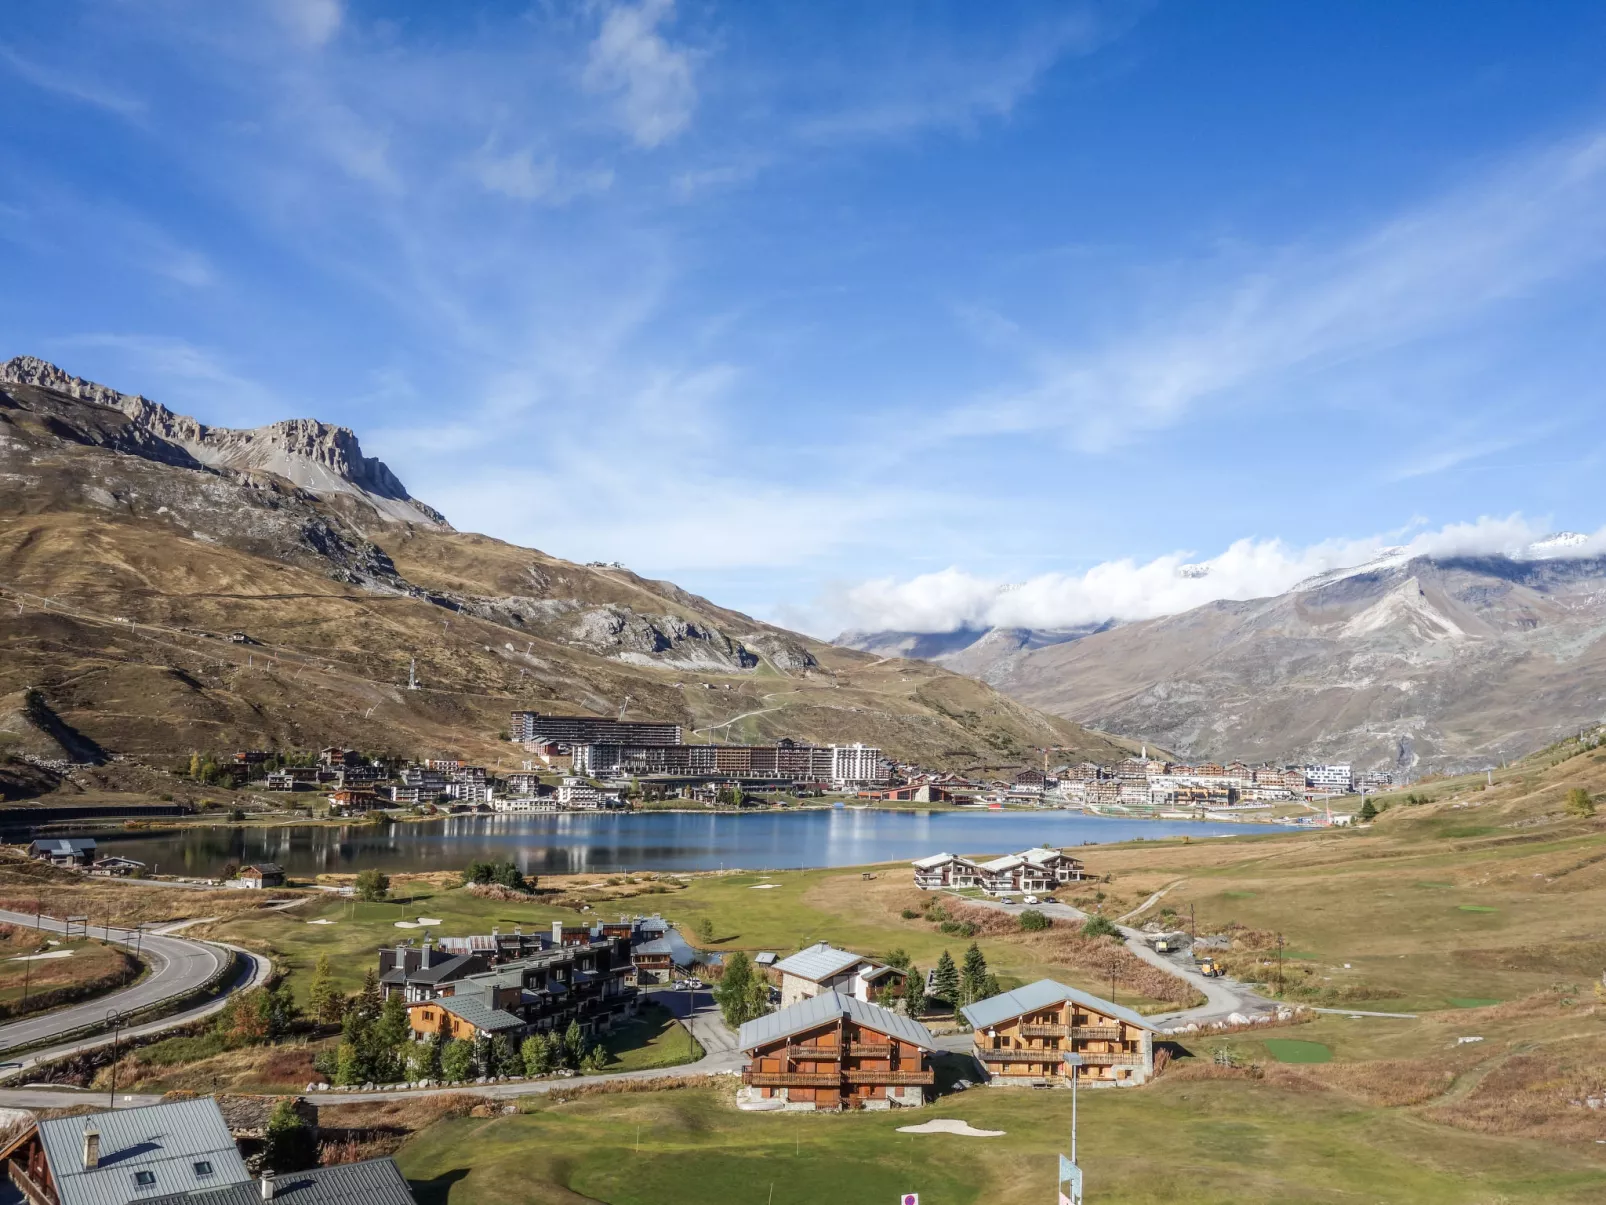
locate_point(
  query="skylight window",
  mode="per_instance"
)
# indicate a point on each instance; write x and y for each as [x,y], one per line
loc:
[144,1179]
[203,1167]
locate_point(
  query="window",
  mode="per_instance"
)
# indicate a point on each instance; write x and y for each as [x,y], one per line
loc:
[203,1167]
[144,1179]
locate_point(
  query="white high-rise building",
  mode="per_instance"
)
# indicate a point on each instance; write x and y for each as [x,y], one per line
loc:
[856,765]
[1330,778]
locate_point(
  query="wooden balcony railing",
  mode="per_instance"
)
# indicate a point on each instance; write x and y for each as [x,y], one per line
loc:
[35,1193]
[890,1077]
[1123,1058]
[792,1079]
[1106,1033]
[870,1050]
[826,1054]
[1016,1055]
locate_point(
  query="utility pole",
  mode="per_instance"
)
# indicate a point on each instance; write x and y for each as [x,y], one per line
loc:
[1193,927]
[115,1020]
[1279,964]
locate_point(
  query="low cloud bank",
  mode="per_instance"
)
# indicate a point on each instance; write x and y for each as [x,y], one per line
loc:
[1126,590]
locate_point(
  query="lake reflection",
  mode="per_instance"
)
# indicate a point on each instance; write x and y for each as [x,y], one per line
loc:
[577,843]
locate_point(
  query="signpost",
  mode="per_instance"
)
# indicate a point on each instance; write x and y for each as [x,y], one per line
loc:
[911,1198]
[1070,1178]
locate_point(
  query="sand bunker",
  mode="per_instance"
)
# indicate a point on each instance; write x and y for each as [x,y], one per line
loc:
[428,920]
[322,920]
[37,957]
[407,924]
[763,886]
[949,1125]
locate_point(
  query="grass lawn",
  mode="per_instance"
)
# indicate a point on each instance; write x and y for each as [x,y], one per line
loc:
[69,965]
[653,1039]
[1292,1050]
[1224,1141]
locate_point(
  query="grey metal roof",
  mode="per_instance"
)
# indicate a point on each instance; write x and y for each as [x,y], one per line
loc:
[765,959]
[480,1016]
[452,968]
[1045,993]
[371,1182]
[658,945]
[264,867]
[828,1007]
[819,962]
[63,845]
[166,1141]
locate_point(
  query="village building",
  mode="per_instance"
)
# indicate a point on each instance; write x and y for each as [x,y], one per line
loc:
[1022,1038]
[823,968]
[832,1051]
[946,870]
[117,867]
[125,1155]
[925,792]
[369,1182]
[1033,870]
[64,851]
[263,874]
[466,1019]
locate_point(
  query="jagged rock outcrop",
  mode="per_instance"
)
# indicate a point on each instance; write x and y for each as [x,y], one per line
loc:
[317,456]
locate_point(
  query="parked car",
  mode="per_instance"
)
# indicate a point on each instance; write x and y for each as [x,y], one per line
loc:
[1032,899]
[1048,899]
[696,985]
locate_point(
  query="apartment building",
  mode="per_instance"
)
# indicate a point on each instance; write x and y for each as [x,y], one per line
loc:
[1023,1037]
[824,968]
[786,759]
[831,1052]
[1032,870]
[857,765]
[587,729]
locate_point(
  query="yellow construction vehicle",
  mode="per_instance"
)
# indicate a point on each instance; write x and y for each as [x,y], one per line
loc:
[1209,968]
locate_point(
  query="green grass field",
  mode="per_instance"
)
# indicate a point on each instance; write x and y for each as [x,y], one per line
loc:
[653,1039]
[1183,1140]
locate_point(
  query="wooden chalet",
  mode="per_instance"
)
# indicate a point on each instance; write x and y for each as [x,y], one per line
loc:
[832,1052]
[1023,1036]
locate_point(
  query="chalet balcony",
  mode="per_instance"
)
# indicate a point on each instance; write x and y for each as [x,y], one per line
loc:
[895,1078]
[870,1050]
[1113,1058]
[1097,1033]
[824,1054]
[1016,1054]
[792,1079]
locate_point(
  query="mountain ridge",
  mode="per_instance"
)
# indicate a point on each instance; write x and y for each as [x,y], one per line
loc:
[1407,662]
[127,561]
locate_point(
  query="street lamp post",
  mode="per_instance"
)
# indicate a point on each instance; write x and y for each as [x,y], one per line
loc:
[115,1020]
[1071,1177]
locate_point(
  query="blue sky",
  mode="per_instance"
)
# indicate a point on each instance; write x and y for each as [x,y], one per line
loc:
[846,315]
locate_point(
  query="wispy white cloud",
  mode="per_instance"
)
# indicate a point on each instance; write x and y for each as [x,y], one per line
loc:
[518,174]
[71,82]
[1129,590]
[649,77]
[1499,238]
[182,376]
[312,22]
[953,87]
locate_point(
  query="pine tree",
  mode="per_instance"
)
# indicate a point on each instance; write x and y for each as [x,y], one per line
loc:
[367,1004]
[289,1145]
[946,982]
[574,1045]
[324,999]
[914,992]
[1579,803]
[1368,811]
[537,1055]
[457,1061]
[392,1029]
[734,993]
[973,979]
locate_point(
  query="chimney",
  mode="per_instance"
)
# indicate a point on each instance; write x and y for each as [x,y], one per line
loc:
[267,1186]
[91,1149]
[557,933]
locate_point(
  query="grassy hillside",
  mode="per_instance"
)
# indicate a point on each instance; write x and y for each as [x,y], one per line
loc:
[124,567]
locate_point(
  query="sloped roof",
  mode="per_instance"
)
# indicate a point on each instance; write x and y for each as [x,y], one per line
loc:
[452,968]
[1042,854]
[166,1141]
[480,1016]
[999,865]
[819,962]
[1045,993]
[63,845]
[828,1007]
[658,945]
[371,1182]
[934,861]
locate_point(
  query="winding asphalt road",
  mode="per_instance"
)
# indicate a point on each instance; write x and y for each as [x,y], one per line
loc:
[178,966]
[1223,996]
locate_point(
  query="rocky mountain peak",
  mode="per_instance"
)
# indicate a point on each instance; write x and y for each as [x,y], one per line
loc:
[320,457]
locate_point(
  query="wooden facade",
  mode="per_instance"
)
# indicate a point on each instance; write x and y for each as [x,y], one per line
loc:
[1028,1046]
[840,1064]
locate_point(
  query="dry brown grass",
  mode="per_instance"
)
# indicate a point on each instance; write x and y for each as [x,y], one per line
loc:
[1542,1094]
[1390,1083]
